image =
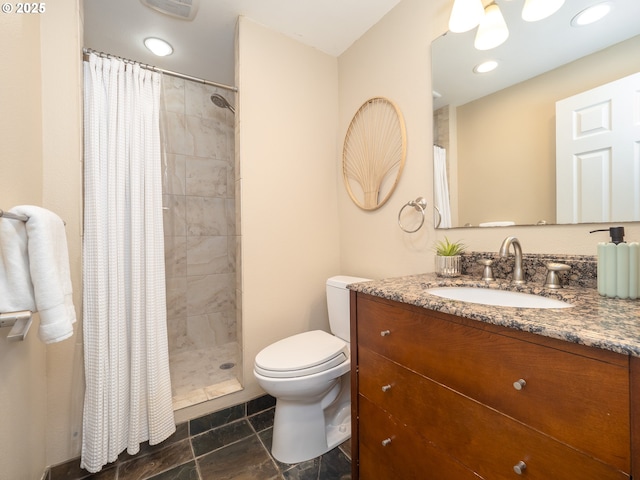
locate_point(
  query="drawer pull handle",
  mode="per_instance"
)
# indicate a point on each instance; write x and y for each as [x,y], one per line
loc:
[386,388]
[384,333]
[520,384]
[386,442]
[520,467]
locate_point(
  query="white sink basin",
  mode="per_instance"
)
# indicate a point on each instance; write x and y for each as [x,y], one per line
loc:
[502,298]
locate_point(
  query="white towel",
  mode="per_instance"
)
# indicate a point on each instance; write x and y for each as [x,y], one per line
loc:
[506,223]
[16,291]
[35,271]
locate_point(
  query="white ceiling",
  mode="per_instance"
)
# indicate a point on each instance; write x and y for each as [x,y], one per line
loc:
[204,47]
[531,49]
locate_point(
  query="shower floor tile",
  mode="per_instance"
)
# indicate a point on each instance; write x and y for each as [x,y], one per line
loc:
[196,375]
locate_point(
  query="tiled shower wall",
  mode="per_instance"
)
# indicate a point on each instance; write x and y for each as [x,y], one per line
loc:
[441,127]
[199,217]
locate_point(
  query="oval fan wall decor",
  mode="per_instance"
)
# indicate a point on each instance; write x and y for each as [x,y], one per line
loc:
[374,151]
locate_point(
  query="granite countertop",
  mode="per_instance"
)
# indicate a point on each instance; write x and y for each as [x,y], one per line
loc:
[596,321]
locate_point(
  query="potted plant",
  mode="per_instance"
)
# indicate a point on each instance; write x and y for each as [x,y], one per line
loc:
[448,260]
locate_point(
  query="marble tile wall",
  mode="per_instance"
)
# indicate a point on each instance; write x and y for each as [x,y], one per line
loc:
[199,216]
[441,127]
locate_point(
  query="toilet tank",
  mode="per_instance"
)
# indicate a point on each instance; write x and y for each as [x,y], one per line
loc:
[338,304]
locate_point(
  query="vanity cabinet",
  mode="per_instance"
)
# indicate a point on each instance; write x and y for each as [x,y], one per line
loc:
[437,396]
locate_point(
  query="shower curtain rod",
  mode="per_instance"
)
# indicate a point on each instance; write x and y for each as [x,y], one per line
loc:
[87,51]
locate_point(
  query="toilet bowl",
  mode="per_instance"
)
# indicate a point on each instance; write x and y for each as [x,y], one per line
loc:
[309,375]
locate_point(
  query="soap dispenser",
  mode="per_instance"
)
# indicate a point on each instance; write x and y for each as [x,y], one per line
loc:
[614,265]
[634,270]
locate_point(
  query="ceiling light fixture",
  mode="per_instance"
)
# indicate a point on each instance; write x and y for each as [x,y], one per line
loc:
[535,10]
[591,14]
[493,29]
[158,47]
[465,15]
[485,67]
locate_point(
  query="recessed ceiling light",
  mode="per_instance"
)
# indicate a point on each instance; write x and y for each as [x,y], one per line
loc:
[591,14]
[158,46]
[485,67]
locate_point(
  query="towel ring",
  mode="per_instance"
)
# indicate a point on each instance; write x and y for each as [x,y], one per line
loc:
[439,216]
[419,204]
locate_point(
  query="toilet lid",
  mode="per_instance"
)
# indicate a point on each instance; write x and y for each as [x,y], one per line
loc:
[302,354]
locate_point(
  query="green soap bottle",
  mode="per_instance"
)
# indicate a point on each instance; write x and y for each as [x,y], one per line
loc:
[622,273]
[614,265]
[602,268]
[634,270]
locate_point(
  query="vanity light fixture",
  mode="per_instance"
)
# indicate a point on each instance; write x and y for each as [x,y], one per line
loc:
[535,10]
[158,47]
[493,29]
[591,14]
[485,67]
[465,15]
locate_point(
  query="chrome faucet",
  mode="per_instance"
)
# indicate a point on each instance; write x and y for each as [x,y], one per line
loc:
[518,273]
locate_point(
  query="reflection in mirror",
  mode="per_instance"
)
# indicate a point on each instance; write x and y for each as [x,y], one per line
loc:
[497,130]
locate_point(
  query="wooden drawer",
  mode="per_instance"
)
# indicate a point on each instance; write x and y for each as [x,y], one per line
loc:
[481,438]
[577,399]
[406,456]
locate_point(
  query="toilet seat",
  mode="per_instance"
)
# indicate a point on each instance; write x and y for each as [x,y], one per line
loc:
[300,355]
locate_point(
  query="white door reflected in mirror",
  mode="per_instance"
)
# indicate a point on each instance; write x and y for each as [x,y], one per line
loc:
[597,134]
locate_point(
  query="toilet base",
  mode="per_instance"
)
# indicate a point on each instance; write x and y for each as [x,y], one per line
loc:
[302,431]
[340,432]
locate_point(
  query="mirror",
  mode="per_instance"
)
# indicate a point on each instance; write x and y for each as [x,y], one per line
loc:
[498,129]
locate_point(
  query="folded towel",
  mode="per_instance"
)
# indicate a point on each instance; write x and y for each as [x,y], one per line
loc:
[507,223]
[16,290]
[35,274]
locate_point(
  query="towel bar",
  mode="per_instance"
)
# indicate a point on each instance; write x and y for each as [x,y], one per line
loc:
[20,323]
[22,218]
[13,216]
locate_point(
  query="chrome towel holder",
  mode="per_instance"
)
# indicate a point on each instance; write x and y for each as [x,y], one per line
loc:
[420,204]
[20,323]
[13,216]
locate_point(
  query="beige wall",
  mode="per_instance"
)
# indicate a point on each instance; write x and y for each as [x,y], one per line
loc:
[40,150]
[515,159]
[393,60]
[61,60]
[22,364]
[287,112]
[288,109]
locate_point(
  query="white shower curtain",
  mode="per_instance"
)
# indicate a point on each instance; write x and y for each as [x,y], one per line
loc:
[441,186]
[128,388]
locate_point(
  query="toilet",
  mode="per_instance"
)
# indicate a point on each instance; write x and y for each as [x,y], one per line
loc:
[309,375]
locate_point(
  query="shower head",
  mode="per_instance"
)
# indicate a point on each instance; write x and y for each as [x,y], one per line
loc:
[220,101]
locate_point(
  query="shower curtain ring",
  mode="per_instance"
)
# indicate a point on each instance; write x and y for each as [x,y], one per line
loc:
[419,204]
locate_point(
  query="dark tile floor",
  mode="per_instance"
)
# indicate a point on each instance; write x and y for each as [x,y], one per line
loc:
[231,444]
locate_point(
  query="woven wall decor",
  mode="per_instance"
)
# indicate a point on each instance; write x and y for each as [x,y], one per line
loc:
[375,148]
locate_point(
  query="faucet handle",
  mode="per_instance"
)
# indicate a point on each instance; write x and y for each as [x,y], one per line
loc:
[553,279]
[487,273]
